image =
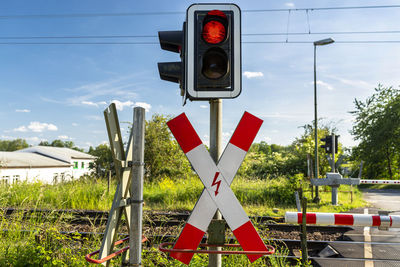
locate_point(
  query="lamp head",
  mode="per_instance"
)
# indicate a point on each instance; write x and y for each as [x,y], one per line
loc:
[324,42]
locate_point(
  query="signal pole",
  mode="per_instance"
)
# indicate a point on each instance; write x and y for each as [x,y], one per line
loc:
[214,236]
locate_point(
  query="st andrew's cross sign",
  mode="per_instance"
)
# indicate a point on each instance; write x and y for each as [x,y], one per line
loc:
[217,193]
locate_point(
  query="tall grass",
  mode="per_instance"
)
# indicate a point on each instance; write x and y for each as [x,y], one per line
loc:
[42,245]
[258,196]
[85,193]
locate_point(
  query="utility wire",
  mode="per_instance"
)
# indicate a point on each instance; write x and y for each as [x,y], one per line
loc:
[156,43]
[125,14]
[156,36]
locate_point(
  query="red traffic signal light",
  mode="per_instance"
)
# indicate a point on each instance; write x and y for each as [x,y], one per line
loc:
[214,27]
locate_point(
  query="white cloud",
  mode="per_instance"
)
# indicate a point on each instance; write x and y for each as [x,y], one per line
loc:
[289,4]
[89,103]
[7,137]
[324,84]
[144,105]
[23,110]
[34,139]
[253,74]
[354,83]
[74,124]
[203,106]
[39,127]
[20,129]
[94,104]
[120,105]
[63,137]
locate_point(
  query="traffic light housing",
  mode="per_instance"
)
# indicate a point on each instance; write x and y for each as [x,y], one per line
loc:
[329,144]
[213,51]
[173,41]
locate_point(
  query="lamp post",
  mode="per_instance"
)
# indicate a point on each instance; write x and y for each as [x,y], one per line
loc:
[316,173]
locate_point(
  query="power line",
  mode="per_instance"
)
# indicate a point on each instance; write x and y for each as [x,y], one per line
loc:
[156,43]
[125,14]
[155,36]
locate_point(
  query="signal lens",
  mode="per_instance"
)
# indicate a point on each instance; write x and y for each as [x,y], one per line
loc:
[214,32]
[214,27]
[215,63]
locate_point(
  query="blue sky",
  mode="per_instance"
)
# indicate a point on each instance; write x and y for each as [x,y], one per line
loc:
[60,91]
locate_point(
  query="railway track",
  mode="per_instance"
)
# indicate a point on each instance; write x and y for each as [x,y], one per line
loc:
[327,245]
[316,248]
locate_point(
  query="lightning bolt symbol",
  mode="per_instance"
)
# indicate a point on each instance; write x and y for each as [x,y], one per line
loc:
[215,182]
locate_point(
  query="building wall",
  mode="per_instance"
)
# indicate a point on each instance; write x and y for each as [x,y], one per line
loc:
[45,175]
[81,167]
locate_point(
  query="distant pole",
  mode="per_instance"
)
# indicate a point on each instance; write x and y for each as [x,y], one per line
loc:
[333,153]
[135,235]
[317,43]
[316,172]
[214,260]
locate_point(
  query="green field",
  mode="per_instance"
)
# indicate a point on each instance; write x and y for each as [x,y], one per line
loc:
[44,246]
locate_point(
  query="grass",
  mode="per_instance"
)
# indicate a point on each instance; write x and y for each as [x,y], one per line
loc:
[42,245]
[258,197]
[85,193]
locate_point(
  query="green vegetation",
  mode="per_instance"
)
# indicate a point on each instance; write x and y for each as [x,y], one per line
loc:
[265,184]
[13,145]
[42,245]
[85,193]
[377,127]
[258,196]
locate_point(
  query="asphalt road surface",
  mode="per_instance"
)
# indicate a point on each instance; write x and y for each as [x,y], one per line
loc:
[384,199]
[388,253]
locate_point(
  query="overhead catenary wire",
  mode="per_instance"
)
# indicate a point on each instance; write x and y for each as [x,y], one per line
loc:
[156,43]
[156,36]
[158,13]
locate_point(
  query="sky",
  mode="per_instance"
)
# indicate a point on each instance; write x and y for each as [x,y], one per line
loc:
[59,91]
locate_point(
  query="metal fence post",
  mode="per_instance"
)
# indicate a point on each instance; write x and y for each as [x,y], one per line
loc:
[135,240]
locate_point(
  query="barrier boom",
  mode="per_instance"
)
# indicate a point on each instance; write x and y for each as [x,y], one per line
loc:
[345,219]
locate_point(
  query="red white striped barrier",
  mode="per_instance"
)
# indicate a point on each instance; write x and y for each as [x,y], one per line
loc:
[216,180]
[379,182]
[344,219]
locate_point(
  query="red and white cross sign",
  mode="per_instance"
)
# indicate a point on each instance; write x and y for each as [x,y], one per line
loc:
[217,180]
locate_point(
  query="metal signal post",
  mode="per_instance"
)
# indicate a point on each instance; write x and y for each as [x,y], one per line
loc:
[209,70]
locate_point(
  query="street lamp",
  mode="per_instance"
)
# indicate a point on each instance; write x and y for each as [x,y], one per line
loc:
[317,43]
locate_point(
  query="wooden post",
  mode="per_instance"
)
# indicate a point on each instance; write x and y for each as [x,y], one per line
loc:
[304,254]
[108,181]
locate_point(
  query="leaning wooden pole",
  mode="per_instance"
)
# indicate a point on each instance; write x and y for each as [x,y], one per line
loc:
[135,240]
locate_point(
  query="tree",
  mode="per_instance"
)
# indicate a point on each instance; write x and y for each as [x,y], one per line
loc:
[269,161]
[13,145]
[162,155]
[377,127]
[104,161]
[60,143]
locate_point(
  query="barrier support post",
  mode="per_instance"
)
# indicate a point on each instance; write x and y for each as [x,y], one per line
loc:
[334,192]
[304,254]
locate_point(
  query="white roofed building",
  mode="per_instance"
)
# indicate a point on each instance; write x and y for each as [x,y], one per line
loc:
[44,163]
